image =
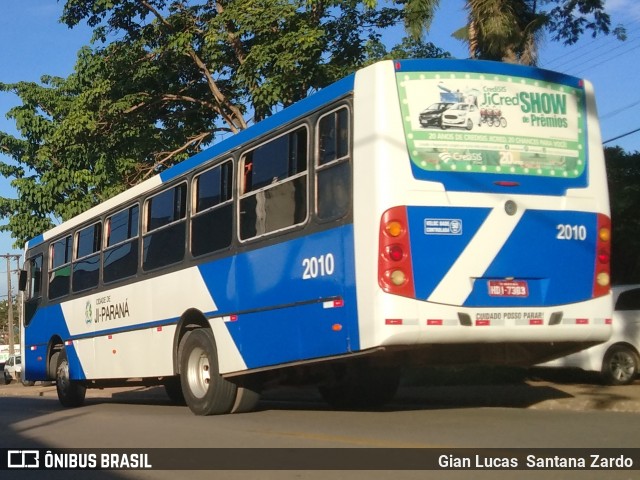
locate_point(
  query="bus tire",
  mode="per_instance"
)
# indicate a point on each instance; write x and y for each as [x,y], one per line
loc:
[358,385]
[70,392]
[205,391]
[620,365]
[53,365]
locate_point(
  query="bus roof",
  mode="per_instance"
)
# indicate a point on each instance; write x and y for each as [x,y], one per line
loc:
[487,67]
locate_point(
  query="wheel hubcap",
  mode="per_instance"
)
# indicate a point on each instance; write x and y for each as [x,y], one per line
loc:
[199,373]
[622,366]
[63,376]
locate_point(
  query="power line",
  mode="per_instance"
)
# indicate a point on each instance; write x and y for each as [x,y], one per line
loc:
[588,47]
[621,136]
[619,110]
[575,54]
[593,52]
[595,60]
[608,59]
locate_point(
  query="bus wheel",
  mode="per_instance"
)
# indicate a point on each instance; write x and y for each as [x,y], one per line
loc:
[620,365]
[70,392]
[358,385]
[205,391]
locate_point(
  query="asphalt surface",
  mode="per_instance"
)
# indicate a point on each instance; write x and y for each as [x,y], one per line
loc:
[540,393]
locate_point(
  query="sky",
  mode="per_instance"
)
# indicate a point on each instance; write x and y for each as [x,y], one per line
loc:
[33,43]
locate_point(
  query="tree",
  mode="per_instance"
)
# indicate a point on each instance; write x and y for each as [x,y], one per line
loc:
[174,77]
[165,78]
[511,30]
[623,175]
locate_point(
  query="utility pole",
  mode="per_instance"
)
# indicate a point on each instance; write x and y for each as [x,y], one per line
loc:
[12,341]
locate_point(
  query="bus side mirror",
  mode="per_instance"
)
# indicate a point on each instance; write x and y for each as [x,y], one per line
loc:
[22,280]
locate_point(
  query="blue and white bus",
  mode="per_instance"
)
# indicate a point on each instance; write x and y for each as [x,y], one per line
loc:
[339,240]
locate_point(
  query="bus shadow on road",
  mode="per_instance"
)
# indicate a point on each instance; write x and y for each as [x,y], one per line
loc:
[442,388]
[436,388]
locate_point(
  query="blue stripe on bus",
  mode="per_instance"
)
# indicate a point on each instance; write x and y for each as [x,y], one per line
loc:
[257,281]
[36,358]
[280,316]
[434,254]
[557,271]
[34,241]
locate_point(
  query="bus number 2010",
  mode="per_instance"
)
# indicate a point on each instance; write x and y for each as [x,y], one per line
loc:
[571,232]
[321,266]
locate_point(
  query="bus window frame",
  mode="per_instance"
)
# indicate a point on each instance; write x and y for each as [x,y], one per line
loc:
[145,232]
[95,253]
[109,248]
[345,159]
[243,194]
[195,214]
[29,296]
[68,238]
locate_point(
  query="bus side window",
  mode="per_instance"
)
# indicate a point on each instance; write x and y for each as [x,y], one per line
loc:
[121,250]
[86,265]
[274,190]
[333,170]
[60,268]
[165,228]
[212,218]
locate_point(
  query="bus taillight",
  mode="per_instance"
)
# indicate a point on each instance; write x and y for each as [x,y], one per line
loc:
[395,272]
[602,278]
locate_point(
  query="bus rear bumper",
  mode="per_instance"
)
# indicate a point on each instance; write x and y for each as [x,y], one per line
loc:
[522,335]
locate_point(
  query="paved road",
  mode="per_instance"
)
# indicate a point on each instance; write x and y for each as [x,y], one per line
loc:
[545,390]
[527,414]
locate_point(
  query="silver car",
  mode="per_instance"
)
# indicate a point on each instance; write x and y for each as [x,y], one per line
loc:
[616,360]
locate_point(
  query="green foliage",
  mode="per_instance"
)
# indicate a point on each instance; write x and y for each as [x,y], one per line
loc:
[511,30]
[623,175]
[570,19]
[165,78]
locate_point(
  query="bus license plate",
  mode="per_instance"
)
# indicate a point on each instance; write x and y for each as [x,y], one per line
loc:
[508,288]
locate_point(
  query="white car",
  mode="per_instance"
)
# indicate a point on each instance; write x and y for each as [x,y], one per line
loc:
[464,115]
[12,369]
[616,360]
